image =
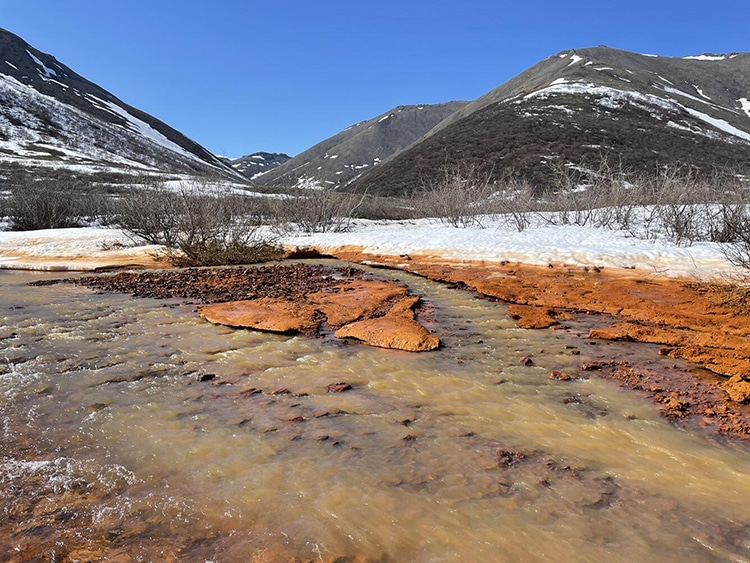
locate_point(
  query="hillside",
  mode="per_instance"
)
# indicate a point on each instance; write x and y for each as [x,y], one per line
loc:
[52,118]
[339,160]
[578,107]
[257,163]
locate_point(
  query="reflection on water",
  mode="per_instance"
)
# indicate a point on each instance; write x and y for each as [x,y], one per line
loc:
[133,429]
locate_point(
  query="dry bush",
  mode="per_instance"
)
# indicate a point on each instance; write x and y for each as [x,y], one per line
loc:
[199,226]
[514,202]
[316,210]
[52,203]
[459,196]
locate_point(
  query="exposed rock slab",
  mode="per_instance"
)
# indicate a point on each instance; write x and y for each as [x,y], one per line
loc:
[270,315]
[397,329]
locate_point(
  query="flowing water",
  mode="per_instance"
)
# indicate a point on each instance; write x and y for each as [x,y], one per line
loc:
[133,429]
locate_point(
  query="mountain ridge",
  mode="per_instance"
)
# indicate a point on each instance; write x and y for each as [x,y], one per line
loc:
[639,110]
[51,117]
[339,160]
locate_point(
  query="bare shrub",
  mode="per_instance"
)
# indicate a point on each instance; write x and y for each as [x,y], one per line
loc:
[50,203]
[198,226]
[514,201]
[459,196]
[317,210]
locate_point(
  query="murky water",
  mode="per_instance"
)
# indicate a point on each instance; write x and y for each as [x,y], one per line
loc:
[133,429]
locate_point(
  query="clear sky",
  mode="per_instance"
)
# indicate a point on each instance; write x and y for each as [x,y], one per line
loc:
[245,76]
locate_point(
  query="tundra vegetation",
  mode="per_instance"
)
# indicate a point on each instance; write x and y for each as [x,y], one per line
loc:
[202,223]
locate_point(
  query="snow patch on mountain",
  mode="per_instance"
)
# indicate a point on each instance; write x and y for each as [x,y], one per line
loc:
[613,98]
[745,105]
[706,57]
[45,71]
[141,127]
[719,124]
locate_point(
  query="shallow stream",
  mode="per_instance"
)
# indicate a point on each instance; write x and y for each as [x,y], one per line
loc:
[132,428]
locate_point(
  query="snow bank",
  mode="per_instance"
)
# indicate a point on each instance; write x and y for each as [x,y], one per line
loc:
[541,243]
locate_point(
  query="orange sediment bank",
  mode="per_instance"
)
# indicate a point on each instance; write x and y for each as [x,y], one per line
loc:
[377,313]
[701,322]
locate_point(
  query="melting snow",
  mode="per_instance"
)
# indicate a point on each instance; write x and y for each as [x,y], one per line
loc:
[541,243]
[700,92]
[559,81]
[142,127]
[576,59]
[11,65]
[48,72]
[719,124]
[745,105]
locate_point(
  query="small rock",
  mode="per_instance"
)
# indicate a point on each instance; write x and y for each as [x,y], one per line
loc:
[206,376]
[527,361]
[594,366]
[560,376]
[338,387]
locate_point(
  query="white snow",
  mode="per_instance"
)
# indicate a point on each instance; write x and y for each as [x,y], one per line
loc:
[745,105]
[61,249]
[719,124]
[686,95]
[706,57]
[576,59]
[46,72]
[610,97]
[11,65]
[700,92]
[541,243]
[614,99]
[141,127]
[559,81]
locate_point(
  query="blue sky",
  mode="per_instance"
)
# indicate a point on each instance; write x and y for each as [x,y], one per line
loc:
[245,76]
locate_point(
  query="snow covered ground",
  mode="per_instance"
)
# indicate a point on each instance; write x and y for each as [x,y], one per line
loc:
[541,243]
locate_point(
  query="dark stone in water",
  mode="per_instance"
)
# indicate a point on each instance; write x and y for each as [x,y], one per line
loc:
[206,376]
[338,387]
[527,361]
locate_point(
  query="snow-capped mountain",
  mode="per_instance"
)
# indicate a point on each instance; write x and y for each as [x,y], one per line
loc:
[254,165]
[51,118]
[578,107]
[339,160]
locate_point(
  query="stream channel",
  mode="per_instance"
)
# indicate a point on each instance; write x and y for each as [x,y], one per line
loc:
[134,430]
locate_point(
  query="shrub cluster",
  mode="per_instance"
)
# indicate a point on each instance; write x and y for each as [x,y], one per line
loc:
[197,225]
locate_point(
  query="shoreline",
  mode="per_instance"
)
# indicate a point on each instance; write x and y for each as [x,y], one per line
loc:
[690,319]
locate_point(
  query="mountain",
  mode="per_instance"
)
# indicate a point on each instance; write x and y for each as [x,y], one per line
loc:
[579,107]
[343,158]
[53,118]
[253,165]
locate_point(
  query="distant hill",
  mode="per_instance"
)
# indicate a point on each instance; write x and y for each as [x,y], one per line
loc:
[578,107]
[340,160]
[52,118]
[253,165]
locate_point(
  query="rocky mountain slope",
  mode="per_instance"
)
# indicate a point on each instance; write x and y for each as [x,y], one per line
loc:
[576,108]
[52,118]
[258,163]
[339,160]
